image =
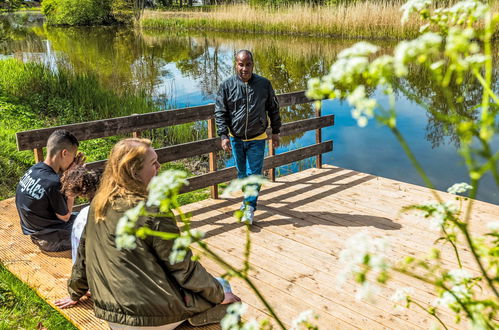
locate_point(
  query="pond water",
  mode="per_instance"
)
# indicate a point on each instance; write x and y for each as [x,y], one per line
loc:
[180,69]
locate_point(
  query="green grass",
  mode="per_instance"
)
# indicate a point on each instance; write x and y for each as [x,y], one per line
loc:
[22,308]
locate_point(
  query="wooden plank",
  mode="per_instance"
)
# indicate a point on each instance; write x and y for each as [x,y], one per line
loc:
[213,157]
[116,126]
[135,123]
[38,154]
[227,174]
[176,152]
[271,153]
[318,137]
[292,99]
[196,148]
[304,125]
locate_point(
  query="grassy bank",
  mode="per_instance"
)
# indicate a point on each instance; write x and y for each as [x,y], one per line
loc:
[21,308]
[373,19]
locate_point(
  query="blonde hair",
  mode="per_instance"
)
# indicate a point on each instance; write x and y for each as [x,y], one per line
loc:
[120,175]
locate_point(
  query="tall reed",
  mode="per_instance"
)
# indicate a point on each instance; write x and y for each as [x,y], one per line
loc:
[372,19]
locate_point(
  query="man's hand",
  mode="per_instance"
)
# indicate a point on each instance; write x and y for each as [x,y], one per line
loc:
[226,145]
[78,161]
[275,140]
[65,303]
[230,298]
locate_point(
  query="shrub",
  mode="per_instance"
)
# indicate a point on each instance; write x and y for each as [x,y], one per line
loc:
[77,12]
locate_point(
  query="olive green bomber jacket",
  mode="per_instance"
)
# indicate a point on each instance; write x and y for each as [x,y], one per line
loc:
[139,287]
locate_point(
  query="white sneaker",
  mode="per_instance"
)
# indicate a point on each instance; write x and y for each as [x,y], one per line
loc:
[248,215]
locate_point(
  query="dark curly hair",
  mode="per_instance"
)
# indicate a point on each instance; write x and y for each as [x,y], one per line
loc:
[78,181]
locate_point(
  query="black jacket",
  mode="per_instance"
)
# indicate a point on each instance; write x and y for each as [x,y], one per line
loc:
[242,108]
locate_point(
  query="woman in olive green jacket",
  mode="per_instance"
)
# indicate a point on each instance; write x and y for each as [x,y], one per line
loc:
[139,287]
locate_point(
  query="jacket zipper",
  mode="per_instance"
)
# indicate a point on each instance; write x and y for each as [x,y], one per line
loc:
[247,111]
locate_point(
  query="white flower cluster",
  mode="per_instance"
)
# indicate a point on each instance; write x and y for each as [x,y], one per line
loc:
[459,276]
[249,185]
[459,188]
[125,237]
[460,41]
[363,106]
[412,6]
[448,298]
[232,319]
[418,49]
[163,186]
[464,12]
[402,295]
[361,249]
[367,292]
[351,62]
[304,319]
[180,248]
[438,213]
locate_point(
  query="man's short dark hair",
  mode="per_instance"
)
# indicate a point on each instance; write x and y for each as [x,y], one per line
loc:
[245,52]
[59,140]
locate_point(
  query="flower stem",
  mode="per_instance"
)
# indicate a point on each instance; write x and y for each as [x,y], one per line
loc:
[432,313]
[464,229]
[244,276]
[454,247]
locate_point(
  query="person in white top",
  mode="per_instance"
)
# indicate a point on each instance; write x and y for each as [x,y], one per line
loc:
[78,181]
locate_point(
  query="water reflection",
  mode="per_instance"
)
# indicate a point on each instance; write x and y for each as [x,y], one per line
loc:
[182,69]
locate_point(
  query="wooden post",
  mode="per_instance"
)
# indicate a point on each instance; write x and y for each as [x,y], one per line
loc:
[136,135]
[271,153]
[38,155]
[213,157]
[318,137]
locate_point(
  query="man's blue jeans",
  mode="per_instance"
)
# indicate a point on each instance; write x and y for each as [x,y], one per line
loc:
[249,160]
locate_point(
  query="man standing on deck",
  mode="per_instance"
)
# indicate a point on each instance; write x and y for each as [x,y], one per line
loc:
[243,103]
[45,212]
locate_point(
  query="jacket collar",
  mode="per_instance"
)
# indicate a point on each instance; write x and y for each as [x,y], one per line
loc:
[249,81]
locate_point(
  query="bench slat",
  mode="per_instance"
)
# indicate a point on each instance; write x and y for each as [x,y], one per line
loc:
[229,173]
[37,138]
[200,147]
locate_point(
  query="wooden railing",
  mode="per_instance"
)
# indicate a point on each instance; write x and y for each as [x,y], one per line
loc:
[36,140]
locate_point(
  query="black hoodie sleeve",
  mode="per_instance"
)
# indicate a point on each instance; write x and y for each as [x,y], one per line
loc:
[222,113]
[272,108]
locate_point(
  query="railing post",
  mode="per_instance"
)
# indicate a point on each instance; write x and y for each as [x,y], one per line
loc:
[213,157]
[136,135]
[271,153]
[38,155]
[318,136]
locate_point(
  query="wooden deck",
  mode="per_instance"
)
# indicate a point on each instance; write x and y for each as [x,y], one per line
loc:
[301,225]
